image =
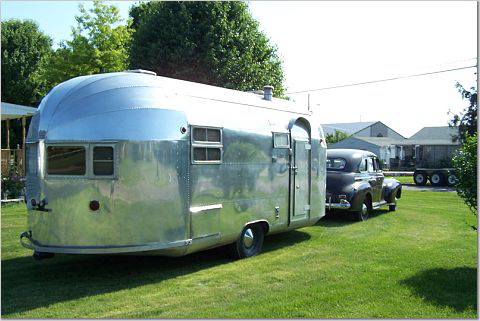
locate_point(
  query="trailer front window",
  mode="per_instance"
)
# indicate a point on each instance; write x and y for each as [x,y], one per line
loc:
[103,160]
[66,160]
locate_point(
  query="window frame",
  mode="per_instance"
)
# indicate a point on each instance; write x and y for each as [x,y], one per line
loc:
[206,145]
[89,174]
[65,144]
[275,134]
[92,161]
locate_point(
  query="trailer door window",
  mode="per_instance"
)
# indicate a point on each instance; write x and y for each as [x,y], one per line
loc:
[66,160]
[103,160]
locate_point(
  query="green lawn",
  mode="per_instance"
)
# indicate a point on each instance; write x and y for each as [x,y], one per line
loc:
[403,179]
[417,262]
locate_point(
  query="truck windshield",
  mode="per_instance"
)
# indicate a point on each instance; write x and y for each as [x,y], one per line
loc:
[336,163]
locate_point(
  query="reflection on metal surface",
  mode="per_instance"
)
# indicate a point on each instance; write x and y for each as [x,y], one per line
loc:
[159,198]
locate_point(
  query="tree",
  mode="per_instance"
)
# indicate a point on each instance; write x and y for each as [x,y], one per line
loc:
[466,121]
[336,137]
[24,52]
[465,161]
[211,42]
[99,44]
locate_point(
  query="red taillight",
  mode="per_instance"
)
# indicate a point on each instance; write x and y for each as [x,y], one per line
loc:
[342,196]
[94,205]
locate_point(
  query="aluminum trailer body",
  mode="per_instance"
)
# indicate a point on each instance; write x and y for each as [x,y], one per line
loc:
[130,162]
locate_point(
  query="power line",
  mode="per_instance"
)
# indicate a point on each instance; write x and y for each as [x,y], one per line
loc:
[381,80]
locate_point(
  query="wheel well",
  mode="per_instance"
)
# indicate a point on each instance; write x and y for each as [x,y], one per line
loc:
[264,224]
[368,198]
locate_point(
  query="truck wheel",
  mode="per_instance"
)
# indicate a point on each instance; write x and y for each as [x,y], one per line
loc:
[452,180]
[363,213]
[420,178]
[437,179]
[250,242]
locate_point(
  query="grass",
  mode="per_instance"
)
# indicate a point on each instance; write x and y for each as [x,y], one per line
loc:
[403,179]
[417,262]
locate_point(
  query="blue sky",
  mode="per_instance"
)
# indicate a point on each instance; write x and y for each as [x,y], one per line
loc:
[329,43]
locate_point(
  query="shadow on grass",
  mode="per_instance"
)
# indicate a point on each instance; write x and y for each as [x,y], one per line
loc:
[343,218]
[28,284]
[455,288]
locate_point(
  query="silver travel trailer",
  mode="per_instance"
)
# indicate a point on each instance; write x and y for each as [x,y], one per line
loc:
[130,162]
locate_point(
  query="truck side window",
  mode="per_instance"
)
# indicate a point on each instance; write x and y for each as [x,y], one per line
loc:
[363,165]
[370,167]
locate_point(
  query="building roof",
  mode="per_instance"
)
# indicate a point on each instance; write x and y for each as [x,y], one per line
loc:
[349,128]
[382,141]
[441,132]
[13,111]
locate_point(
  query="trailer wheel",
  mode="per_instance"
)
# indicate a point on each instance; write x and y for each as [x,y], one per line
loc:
[437,179]
[250,242]
[420,178]
[452,179]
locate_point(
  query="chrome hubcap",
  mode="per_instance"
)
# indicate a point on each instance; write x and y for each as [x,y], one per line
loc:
[364,210]
[419,178]
[435,178]
[248,238]
[452,179]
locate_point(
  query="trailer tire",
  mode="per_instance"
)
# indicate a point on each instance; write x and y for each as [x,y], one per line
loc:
[437,179]
[250,242]
[420,178]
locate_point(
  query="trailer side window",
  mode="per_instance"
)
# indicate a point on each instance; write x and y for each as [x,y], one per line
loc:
[206,145]
[103,160]
[66,160]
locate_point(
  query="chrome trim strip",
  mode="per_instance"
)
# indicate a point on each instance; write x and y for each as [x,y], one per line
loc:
[197,209]
[107,249]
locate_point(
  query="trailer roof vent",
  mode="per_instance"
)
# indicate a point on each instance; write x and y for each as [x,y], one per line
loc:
[268,92]
[142,71]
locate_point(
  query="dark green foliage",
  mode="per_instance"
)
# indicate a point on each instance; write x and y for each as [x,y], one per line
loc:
[24,52]
[465,161]
[336,137]
[99,44]
[216,43]
[467,120]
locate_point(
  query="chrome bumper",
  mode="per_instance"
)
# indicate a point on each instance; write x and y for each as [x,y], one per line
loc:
[343,205]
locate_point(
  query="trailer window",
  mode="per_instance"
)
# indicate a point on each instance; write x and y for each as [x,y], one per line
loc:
[66,160]
[206,145]
[103,160]
[210,135]
[206,154]
[281,140]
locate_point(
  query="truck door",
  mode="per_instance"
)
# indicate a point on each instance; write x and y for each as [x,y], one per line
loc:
[300,174]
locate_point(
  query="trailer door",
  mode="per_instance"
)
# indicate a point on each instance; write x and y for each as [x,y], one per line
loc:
[300,174]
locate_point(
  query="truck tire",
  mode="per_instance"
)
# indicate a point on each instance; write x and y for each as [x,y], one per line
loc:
[451,179]
[420,178]
[363,213]
[437,179]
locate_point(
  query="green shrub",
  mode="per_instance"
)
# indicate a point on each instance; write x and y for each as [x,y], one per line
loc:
[465,162]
